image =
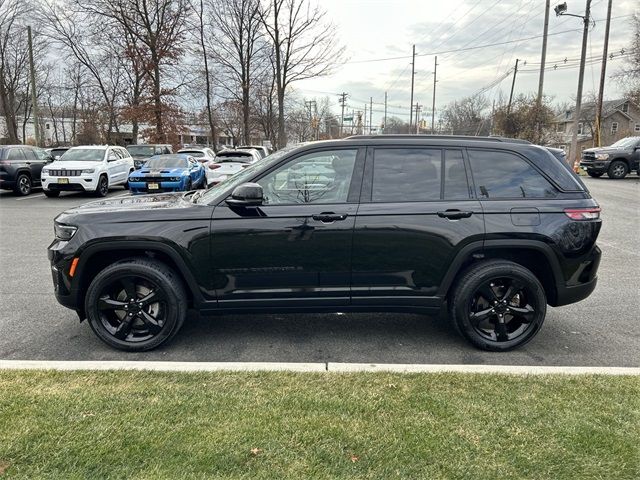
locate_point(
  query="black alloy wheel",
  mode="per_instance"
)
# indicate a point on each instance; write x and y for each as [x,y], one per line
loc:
[618,170]
[103,186]
[23,185]
[136,305]
[498,305]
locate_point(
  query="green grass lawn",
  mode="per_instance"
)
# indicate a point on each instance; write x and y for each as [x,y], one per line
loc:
[327,426]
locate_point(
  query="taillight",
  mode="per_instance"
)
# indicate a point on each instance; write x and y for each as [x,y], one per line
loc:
[588,213]
[213,166]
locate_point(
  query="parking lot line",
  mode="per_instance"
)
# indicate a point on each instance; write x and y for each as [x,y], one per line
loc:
[30,197]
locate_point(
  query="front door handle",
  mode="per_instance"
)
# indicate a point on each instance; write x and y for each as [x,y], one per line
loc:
[454,214]
[328,217]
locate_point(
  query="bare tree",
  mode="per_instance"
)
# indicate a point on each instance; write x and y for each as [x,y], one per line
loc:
[467,116]
[629,75]
[304,46]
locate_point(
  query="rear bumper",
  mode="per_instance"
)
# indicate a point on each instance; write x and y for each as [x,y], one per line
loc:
[7,184]
[583,281]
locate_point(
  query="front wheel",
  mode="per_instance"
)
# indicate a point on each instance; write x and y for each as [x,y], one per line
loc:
[136,305]
[498,305]
[103,187]
[618,170]
[594,174]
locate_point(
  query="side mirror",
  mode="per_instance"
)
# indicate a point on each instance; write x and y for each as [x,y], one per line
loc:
[246,195]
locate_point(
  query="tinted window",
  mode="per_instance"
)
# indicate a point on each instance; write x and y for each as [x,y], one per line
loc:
[15,154]
[30,154]
[406,174]
[321,177]
[456,186]
[505,175]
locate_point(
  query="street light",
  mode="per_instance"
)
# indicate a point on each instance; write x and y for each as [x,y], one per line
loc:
[560,10]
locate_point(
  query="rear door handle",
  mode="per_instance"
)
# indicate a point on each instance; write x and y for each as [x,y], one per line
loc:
[454,214]
[328,217]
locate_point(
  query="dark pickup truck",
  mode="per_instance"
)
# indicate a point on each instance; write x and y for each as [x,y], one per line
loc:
[616,161]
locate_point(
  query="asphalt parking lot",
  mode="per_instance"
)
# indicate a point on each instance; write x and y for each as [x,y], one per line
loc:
[603,330]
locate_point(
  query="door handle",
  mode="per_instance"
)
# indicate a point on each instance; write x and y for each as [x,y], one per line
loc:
[454,214]
[328,217]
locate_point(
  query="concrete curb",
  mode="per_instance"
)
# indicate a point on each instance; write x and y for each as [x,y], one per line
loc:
[307,367]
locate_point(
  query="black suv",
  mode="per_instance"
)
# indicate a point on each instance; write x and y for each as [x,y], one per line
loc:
[20,167]
[494,231]
[616,161]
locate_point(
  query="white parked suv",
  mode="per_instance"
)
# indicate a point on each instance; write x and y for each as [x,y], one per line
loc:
[92,168]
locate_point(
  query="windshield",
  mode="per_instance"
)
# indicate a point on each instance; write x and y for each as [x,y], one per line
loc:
[193,153]
[627,142]
[141,150]
[246,174]
[166,161]
[83,155]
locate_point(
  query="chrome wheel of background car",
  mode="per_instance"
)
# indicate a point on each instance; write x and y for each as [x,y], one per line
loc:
[132,309]
[500,310]
[618,169]
[24,185]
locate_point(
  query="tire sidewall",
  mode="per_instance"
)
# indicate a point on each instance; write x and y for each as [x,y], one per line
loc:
[176,309]
[611,173]
[464,295]
[99,191]
[19,181]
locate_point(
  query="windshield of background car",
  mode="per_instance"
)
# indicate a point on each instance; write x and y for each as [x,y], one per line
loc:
[246,174]
[627,142]
[193,153]
[141,150]
[167,161]
[83,155]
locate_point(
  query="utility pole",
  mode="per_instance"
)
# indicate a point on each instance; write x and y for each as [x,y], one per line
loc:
[576,118]
[34,96]
[433,104]
[543,58]
[418,107]
[385,113]
[603,72]
[370,113]
[364,128]
[513,84]
[413,74]
[343,101]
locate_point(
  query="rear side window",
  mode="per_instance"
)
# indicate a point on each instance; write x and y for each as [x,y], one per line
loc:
[506,175]
[406,174]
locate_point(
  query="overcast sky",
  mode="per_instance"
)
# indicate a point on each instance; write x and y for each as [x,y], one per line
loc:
[379,29]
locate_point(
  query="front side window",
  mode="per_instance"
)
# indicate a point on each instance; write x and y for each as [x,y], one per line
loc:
[319,177]
[406,174]
[506,175]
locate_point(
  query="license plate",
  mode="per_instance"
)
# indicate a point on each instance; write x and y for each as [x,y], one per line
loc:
[153,186]
[63,180]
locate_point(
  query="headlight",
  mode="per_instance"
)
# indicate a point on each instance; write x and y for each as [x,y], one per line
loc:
[64,232]
[45,171]
[602,156]
[174,179]
[88,170]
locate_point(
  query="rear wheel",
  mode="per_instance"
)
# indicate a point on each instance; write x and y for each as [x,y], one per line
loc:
[23,185]
[618,169]
[593,174]
[136,304]
[52,193]
[498,305]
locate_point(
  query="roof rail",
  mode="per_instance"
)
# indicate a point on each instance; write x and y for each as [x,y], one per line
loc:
[441,137]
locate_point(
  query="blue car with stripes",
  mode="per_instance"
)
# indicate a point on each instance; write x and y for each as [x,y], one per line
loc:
[168,173]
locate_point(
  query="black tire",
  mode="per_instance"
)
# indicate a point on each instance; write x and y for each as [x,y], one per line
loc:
[102,189]
[594,174]
[140,324]
[618,170]
[23,185]
[492,323]
[52,193]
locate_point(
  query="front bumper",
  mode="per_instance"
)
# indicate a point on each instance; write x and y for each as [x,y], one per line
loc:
[595,165]
[63,286]
[75,184]
[163,187]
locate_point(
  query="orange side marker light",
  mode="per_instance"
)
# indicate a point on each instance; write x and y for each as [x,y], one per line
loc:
[74,264]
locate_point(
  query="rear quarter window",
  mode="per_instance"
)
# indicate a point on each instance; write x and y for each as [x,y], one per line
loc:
[500,174]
